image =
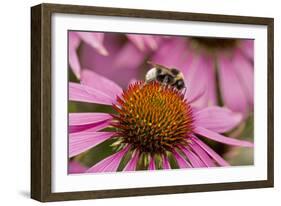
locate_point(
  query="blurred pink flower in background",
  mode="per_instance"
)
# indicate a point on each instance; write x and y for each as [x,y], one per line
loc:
[93,39]
[221,66]
[110,54]
[143,128]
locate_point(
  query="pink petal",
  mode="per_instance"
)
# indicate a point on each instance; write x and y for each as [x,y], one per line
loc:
[245,73]
[75,168]
[128,51]
[73,43]
[165,162]
[173,53]
[94,127]
[83,93]
[151,165]
[202,155]
[211,79]
[247,47]
[232,90]
[194,160]
[74,63]
[137,41]
[82,141]
[100,83]
[87,118]
[74,40]
[151,42]
[198,81]
[197,96]
[109,164]
[211,152]
[182,163]
[132,164]
[220,138]
[217,119]
[143,41]
[95,40]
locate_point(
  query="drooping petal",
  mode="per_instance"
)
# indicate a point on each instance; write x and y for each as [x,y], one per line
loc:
[173,54]
[95,40]
[197,79]
[151,165]
[132,164]
[202,155]
[109,164]
[247,47]
[165,162]
[182,163]
[137,41]
[217,119]
[75,168]
[194,160]
[73,43]
[82,141]
[83,93]
[245,73]
[100,83]
[128,51]
[220,138]
[151,41]
[231,87]
[197,96]
[211,152]
[211,79]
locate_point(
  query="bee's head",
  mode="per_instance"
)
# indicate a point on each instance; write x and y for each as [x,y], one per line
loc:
[151,75]
[154,73]
[165,75]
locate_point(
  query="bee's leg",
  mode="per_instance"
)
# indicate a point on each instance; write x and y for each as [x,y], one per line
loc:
[166,80]
[184,91]
[145,83]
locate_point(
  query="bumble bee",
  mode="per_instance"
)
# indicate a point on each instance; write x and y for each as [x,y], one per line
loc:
[166,76]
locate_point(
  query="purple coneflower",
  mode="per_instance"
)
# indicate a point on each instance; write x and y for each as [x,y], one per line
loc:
[93,39]
[98,50]
[152,126]
[222,65]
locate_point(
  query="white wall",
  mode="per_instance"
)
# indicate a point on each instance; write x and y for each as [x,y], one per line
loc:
[15,103]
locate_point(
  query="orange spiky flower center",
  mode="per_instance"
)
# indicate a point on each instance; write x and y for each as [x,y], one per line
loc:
[153,118]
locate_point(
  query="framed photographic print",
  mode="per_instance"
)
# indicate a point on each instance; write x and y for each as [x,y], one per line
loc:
[132,102]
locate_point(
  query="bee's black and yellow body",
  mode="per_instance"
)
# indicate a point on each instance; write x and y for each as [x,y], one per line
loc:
[166,76]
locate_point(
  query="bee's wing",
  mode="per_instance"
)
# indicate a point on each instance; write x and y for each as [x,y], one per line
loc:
[157,65]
